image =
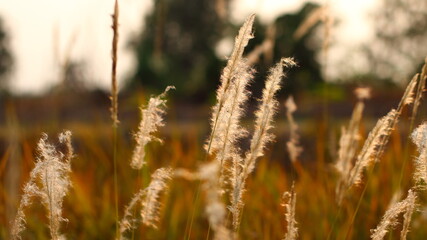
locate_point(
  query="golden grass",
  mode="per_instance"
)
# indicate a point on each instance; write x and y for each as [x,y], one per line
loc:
[95,201]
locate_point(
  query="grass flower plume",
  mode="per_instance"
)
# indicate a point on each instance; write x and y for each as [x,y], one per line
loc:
[50,181]
[236,74]
[261,136]
[390,218]
[291,223]
[419,138]
[148,199]
[152,119]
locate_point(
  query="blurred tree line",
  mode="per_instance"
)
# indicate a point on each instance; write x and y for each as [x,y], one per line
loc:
[6,61]
[399,46]
[178,46]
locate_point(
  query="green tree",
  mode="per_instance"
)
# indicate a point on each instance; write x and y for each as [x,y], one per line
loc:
[6,61]
[399,47]
[303,49]
[177,47]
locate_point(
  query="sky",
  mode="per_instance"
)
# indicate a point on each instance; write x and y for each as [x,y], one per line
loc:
[44,33]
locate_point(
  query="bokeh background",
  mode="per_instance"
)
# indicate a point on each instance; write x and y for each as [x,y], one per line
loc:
[55,69]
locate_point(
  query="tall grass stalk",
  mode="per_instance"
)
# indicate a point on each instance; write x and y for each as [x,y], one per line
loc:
[375,144]
[348,145]
[151,120]
[235,67]
[231,72]
[347,150]
[420,89]
[261,136]
[114,106]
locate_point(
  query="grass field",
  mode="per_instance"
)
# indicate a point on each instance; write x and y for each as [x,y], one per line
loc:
[90,208]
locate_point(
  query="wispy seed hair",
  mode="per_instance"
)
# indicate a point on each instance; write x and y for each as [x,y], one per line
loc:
[236,66]
[390,218]
[291,223]
[151,120]
[373,144]
[215,209]
[149,200]
[420,89]
[293,145]
[264,114]
[348,144]
[263,123]
[151,205]
[419,138]
[50,181]
[407,216]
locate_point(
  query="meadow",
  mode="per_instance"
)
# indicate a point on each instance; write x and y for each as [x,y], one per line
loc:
[271,173]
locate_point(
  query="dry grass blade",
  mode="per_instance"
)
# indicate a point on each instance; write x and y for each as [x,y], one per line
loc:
[114,90]
[114,105]
[316,16]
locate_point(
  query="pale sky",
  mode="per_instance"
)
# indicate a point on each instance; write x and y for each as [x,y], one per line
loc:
[41,31]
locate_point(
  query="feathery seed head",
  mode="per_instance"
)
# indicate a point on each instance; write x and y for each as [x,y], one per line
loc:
[419,138]
[50,181]
[261,136]
[371,149]
[232,90]
[151,206]
[390,218]
[149,200]
[264,115]
[291,223]
[293,146]
[290,104]
[152,119]
[363,93]
[347,149]
[410,96]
